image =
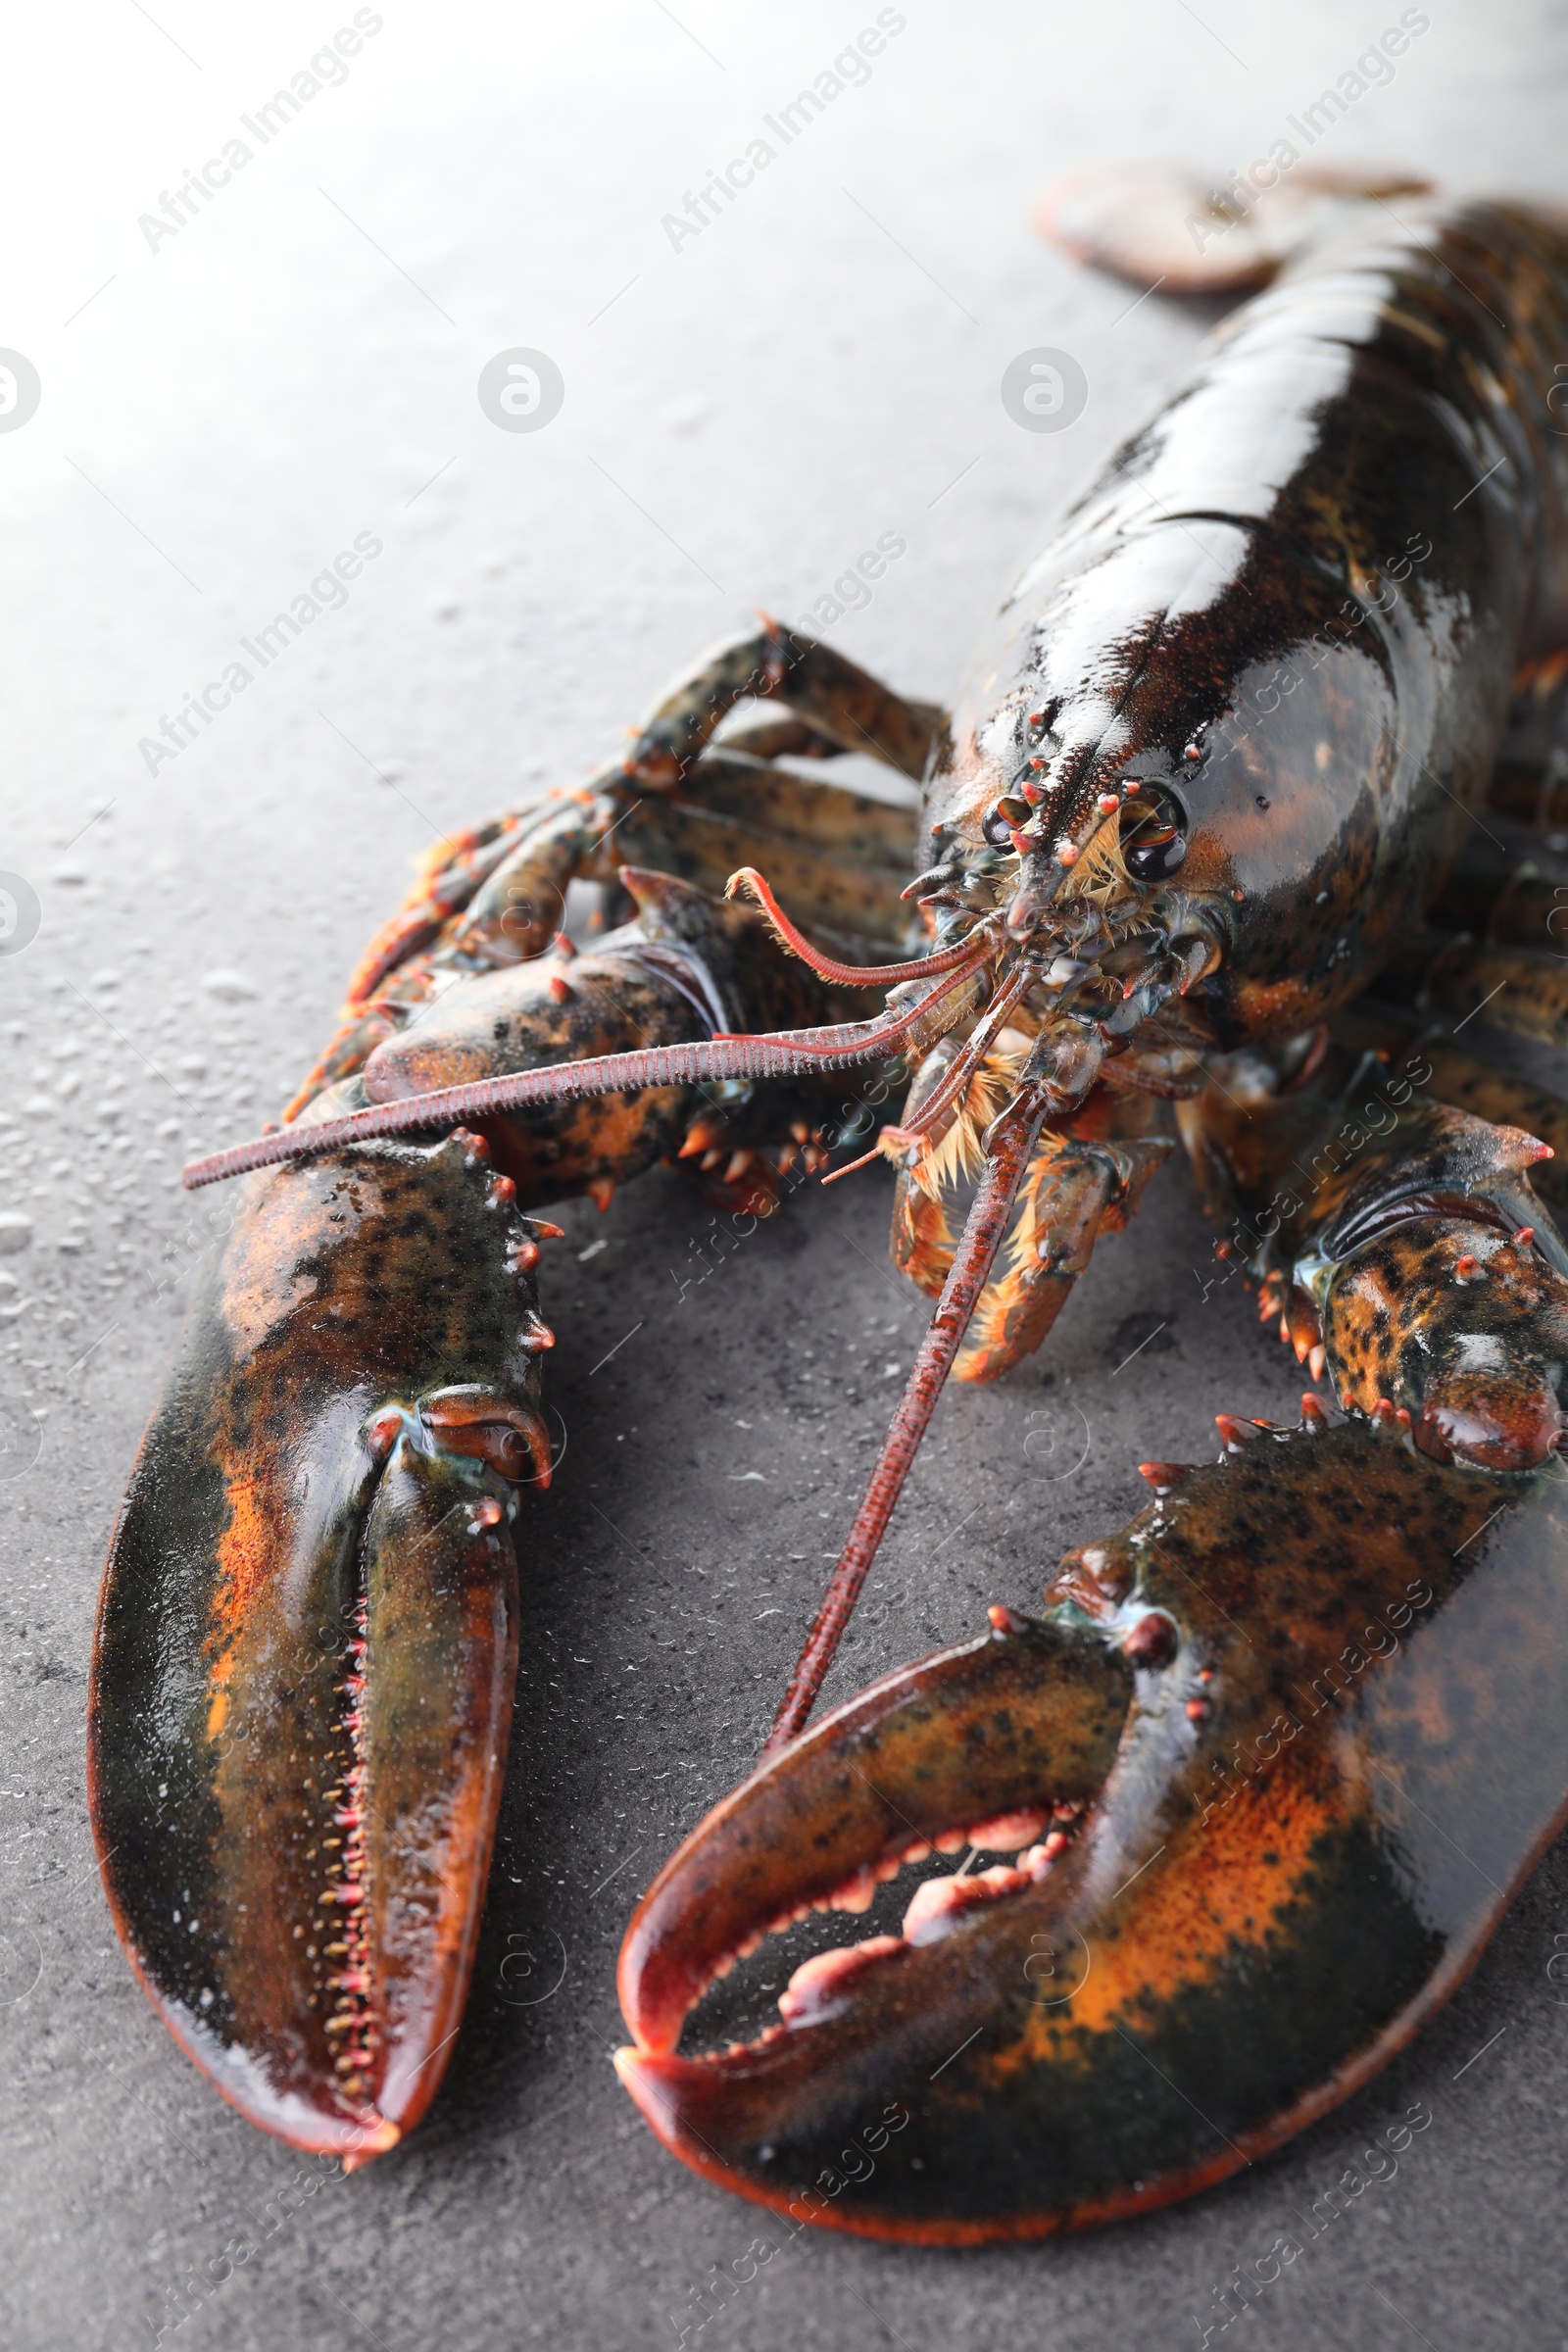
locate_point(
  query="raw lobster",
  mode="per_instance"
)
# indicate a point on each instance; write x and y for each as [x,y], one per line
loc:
[1207,788]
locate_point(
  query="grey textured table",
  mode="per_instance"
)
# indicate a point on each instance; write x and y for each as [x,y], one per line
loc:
[290,367]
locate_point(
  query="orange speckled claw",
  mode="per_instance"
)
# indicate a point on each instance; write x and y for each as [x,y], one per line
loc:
[302,1683]
[1236,1720]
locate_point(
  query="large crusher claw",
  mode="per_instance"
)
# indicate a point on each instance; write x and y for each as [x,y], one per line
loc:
[1255,1844]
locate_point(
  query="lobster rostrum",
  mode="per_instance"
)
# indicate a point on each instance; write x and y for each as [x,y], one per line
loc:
[1219,751]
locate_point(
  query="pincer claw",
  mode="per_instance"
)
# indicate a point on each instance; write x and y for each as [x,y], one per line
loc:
[302,1682]
[1253,1888]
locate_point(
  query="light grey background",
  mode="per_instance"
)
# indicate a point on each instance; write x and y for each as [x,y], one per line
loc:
[742,417]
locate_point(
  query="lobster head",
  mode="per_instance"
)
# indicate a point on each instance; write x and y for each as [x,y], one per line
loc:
[306,1642]
[1180,741]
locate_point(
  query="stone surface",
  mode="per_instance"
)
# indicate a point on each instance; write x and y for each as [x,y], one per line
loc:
[222,410]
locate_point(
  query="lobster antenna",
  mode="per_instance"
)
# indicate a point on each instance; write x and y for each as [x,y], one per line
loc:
[957,1079]
[753,885]
[1011,1140]
[787,1053]
[966,1063]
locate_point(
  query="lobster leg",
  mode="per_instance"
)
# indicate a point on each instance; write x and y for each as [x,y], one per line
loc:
[839,702]
[1446,1071]
[1405,1245]
[1516,988]
[1504,905]
[500,907]
[497,897]
[689,967]
[838,861]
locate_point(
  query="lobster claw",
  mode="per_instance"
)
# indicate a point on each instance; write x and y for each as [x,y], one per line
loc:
[1255,1718]
[306,1642]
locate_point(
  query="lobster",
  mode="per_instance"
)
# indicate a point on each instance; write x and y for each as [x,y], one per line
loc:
[1200,865]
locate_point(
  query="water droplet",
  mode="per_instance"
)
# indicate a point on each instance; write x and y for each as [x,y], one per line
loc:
[230,987]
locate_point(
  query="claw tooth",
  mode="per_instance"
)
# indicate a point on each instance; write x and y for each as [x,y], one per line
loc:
[917,1852]
[1317,1357]
[942,1901]
[1006,1621]
[711,1160]
[1314,1413]
[857,1895]
[1004,1833]
[1234,1431]
[812,1989]
[602,1192]
[932,1901]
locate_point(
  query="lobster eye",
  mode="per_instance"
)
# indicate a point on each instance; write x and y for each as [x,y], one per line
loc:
[1153,834]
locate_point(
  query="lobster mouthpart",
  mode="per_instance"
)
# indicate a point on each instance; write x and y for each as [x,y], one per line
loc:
[1276,1852]
[306,1642]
